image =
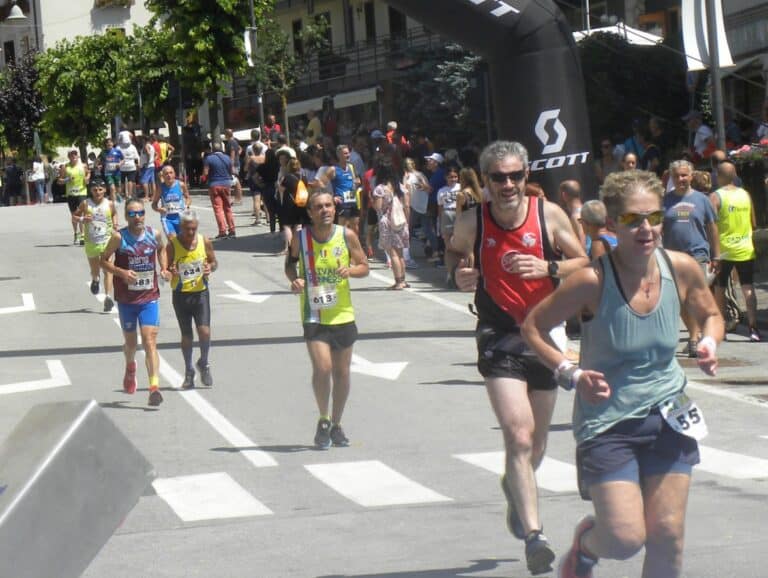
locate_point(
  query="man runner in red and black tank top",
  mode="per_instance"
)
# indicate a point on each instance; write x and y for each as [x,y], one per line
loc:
[517,242]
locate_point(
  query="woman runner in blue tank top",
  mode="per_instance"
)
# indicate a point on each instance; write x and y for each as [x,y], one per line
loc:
[171,199]
[636,430]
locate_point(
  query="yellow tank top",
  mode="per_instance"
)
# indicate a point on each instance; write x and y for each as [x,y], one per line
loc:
[75,185]
[189,266]
[734,223]
[326,298]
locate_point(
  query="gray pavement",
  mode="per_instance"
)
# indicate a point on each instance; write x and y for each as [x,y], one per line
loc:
[242,493]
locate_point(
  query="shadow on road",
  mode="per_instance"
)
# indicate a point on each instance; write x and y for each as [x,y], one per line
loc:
[280,449]
[474,566]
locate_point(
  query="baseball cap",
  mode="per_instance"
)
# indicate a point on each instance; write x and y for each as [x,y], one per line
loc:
[691,115]
[376,134]
[437,157]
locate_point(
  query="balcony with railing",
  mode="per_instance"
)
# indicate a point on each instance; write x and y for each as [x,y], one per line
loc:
[361,64]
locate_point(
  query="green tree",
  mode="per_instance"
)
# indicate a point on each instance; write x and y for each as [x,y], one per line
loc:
[77,80]
[206,42]
[21,104]
[278,67]
[435,94]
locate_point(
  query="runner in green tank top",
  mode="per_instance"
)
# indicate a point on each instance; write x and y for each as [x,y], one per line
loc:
[636,429]
[74,176]
[329,255]
[99,218]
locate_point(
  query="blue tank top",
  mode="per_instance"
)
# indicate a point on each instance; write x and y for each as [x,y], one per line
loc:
[173,198]
[344,185]
[636,353]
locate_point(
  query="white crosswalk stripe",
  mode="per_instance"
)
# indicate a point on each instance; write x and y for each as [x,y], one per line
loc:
[732,465]
[208,497]
[553,475]
[372,483]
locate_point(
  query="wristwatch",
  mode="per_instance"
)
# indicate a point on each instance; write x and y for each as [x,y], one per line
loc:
[553,268]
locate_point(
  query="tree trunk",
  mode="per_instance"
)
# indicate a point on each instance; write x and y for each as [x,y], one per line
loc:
[284,103]
[213,115]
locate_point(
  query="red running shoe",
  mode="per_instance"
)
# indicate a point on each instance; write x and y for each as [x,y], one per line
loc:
[575,564]
[129,379]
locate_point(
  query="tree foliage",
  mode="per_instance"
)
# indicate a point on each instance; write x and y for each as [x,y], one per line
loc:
[277,66]
[436,93]
[206,40]
[21,105]
[624,82]
[77,80]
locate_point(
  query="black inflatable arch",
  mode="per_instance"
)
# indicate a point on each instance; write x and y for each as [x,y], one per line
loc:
[536,79]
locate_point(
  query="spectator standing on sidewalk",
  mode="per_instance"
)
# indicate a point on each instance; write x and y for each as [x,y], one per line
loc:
[217,170]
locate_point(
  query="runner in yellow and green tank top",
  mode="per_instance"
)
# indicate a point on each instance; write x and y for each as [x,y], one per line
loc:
[735,222]
[97,214]
[191,260]
[327,255]
[326,298]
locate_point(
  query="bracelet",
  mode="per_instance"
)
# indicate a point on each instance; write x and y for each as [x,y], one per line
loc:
[710,343]
[567,375]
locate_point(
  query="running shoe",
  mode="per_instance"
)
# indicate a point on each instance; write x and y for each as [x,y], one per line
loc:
[754,335]
[231,235]
[95,287]
[81,240]
[108,304]
[76,239]
[129,379]
[337,436]
[221,236]
[411,264]
[575,564]
[539,555]
[155,398]
[189,379]
[323,434]
[514,525]
[205,373]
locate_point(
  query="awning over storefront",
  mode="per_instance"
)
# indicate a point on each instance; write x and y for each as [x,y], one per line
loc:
[304,106]
[341,100]
[356,97]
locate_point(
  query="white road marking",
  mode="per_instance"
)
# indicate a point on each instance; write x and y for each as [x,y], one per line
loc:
[386,370]
[372,483]
[732,465]
[208,497]
[727,393]
[27,304]
[59,378]
[215,419]
[242,294]
[552,475]
[434,298]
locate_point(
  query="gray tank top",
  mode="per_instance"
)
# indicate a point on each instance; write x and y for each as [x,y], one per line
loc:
[636,353]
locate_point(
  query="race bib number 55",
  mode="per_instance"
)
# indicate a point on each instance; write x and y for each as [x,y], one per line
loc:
[684,416]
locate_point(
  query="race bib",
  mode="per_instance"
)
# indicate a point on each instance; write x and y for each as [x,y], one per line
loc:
[350,196]
[172,208]
[190,272]
[97,232]
[684,416]
[74,190]
[144,281]
[111,167]
[322,297]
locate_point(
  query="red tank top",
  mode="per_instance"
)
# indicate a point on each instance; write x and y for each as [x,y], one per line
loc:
[503,299]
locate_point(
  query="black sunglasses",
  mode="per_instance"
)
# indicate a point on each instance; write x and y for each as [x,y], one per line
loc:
[501,178]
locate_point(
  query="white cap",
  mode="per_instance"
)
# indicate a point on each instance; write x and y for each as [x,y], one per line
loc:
[437,157]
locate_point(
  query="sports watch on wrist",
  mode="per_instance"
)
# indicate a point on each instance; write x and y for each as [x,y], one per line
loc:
[552,268]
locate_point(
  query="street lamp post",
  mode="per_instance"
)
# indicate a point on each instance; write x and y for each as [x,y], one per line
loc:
[253,39]
[715,76]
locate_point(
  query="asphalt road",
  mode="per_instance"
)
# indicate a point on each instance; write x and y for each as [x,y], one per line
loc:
[241,492]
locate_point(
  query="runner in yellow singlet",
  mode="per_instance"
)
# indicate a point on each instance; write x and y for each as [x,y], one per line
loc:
[328,255]
[191,260]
